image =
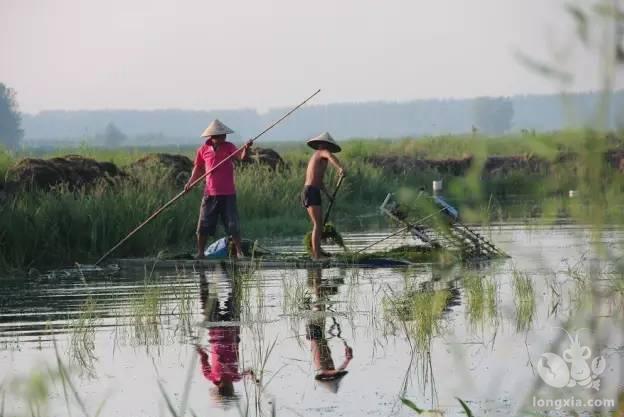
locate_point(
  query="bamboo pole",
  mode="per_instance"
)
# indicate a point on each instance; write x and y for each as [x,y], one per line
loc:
[185,191]
[333,198]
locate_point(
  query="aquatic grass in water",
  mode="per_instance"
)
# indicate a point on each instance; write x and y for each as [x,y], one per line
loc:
[481,300]
[524,300]
[420,312]
[262,376]
[184,306]
[145,315]
[82,342]
[296,296]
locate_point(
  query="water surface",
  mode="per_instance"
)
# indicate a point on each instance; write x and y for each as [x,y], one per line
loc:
[134,343]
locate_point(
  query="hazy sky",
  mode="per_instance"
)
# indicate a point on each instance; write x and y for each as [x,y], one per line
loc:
[148,54]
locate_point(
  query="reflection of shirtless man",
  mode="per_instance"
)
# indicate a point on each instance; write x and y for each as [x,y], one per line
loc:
[311,196]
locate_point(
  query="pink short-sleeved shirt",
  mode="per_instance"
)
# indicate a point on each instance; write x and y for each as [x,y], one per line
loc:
[221,180]
[222,365]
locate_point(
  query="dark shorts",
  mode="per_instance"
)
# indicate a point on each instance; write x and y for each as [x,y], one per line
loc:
[218,207]
[314,331]
[311,196]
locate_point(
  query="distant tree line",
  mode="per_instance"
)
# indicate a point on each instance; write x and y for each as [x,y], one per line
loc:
[488,115]
[493,115]
[11,132]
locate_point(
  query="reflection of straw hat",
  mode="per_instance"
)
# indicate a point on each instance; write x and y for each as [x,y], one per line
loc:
[331,383]
[216,128]
[324,138]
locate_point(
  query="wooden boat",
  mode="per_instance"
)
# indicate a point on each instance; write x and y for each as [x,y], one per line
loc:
[293,262]
[395,258]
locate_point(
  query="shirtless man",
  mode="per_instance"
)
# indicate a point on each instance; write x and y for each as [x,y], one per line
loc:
[325,147]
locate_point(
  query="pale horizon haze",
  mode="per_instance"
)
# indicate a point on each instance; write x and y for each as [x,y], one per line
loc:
[204,55]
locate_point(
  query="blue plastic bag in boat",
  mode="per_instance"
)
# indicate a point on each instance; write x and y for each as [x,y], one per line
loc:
[217,249]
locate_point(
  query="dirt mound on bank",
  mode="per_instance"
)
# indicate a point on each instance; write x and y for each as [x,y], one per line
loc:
[504,165]
[177,167]
[264,156]
[73,170]
[494,165]
[407,164]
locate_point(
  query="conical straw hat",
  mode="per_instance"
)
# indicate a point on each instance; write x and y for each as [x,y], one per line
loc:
[216,128]
[326,139]
[331,383]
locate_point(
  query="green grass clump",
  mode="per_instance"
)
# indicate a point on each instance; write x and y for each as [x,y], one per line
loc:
[481,299]
[145,315]
[524,299]
[82,342]
[419,312]
[329,235]
[414,254]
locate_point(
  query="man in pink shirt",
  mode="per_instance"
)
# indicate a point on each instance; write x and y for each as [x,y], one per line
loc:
[219,201]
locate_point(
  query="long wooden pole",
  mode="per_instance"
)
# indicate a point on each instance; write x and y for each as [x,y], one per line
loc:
[183,192]
[333,198]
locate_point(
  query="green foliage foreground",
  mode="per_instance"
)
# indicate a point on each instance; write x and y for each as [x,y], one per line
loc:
[60,227]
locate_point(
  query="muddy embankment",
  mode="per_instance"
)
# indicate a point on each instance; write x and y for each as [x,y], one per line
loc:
[494,166]
[77,172]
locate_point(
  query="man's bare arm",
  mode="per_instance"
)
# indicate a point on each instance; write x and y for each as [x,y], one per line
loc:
[334,161]
[243,154]
[198,171]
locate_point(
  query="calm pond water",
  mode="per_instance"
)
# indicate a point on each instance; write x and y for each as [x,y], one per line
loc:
[162,343]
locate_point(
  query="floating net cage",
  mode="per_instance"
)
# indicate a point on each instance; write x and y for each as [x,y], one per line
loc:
[436,224]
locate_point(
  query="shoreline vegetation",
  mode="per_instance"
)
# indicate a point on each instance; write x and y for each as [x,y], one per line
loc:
[489,179]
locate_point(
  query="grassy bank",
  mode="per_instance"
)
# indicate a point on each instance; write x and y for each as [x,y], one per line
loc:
[60,227]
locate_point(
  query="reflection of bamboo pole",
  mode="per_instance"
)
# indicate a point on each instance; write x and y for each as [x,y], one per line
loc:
[185,191]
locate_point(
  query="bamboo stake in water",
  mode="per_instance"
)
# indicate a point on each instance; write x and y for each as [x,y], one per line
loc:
[183,192]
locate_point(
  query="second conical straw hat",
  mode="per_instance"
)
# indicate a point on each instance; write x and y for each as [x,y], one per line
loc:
[324,138]
[216,128]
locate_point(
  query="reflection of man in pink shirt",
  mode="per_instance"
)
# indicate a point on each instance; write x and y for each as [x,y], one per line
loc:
[219,361]
[219,201]
[221,366]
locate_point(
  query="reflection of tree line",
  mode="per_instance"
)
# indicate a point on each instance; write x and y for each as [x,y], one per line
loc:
[220,357]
